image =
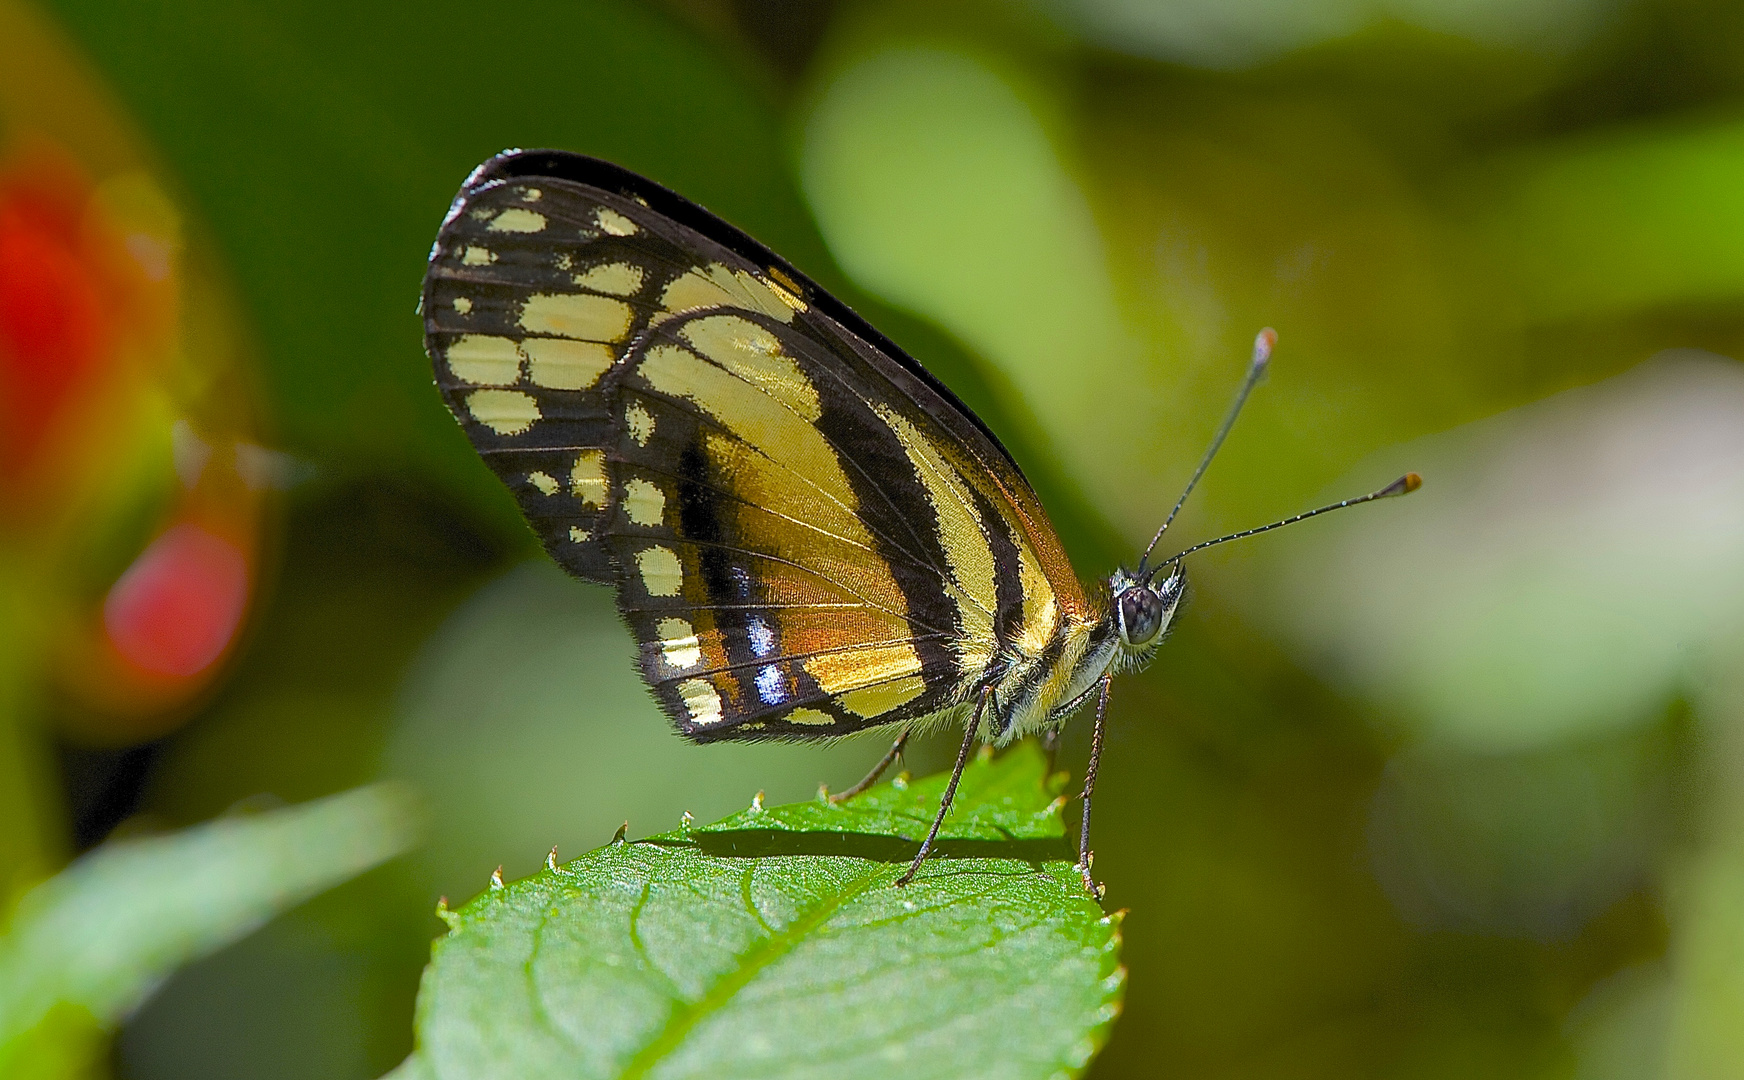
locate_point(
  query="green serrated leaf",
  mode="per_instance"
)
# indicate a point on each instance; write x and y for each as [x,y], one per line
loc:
[776,944]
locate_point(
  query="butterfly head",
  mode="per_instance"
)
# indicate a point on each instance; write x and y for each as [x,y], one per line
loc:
[1144,606]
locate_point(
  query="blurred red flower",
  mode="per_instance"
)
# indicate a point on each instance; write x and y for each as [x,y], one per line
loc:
[69,296]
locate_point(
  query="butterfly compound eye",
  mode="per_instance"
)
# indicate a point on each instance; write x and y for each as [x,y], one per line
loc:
[1141,613]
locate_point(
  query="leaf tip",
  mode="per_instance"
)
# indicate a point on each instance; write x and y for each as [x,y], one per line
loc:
[685,821]
[449,918]
[1080,1053]
[823,793]
[757,803]
[551,858]
[623,830]
[496,880]
[900,781]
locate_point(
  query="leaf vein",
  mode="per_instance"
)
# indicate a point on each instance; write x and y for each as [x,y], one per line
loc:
[751,962]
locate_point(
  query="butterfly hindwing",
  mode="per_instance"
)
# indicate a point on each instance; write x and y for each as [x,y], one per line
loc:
[809,618]
[808,534]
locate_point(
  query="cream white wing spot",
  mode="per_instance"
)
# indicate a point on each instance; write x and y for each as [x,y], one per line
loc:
[753,354]
[517,220]
[562,364]
[662,574]
[532,194]
[477,256]
[613,222]
[786,288]
[810,718]
[618,278]
[873,701]
[587,480]
[717,285]
[679,646]
[786,297]
[484,360]
[506,412]
[962,535]
[544,481]
[1041,612]
[869,666]
[579,535]
[640,422]
[644,503]
[582,316]
[463,304]
[702,701]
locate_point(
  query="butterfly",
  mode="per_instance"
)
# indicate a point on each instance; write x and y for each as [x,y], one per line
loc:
[809,535]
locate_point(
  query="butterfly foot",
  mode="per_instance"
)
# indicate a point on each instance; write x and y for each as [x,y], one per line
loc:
[837,798]
[1091,886]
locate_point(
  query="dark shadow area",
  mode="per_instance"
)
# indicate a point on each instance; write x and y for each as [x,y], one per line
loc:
[104,786]
[763,843]
[787,32]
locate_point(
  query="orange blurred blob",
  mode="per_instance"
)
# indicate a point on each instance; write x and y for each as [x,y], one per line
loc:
[101,399]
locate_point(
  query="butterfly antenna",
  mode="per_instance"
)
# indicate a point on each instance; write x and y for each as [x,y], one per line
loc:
[1262,355]
[1404,485]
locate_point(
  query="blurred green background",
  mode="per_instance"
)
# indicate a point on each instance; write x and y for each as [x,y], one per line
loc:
[1446,787]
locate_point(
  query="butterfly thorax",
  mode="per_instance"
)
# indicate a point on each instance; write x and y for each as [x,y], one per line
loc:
[1037,691]
[1041,689]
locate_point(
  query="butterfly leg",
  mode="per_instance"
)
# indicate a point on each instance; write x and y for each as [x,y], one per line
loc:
[1084,854]
[871,778]
[950,788]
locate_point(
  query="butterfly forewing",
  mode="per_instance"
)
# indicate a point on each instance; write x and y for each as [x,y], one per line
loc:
[533,293]
[808,535]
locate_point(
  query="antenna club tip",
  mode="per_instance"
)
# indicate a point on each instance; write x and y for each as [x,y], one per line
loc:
[1264,342]
[1404,485]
